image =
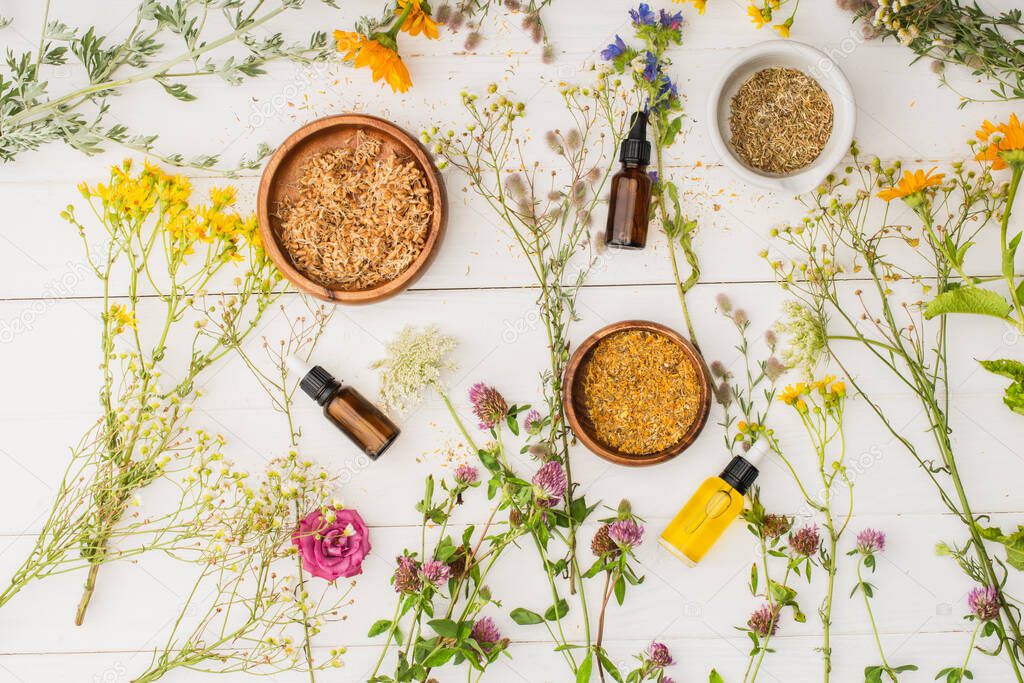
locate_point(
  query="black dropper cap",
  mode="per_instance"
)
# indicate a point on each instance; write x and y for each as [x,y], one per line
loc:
[741,471]
[635,149]
[316,382]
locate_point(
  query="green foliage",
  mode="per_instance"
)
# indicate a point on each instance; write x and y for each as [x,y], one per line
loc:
[968,299]
[1013,396]
[1013,543]
[31,116]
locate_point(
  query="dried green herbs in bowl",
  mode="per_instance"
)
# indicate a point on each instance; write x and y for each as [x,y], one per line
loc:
[782,116]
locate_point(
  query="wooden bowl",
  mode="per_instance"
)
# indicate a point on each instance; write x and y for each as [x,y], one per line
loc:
[285,167]
[576,411]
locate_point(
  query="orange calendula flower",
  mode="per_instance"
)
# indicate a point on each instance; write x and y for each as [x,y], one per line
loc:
[758,16]
[912,183]
[417,21]
[383,61]
[348,43]
[1003,143]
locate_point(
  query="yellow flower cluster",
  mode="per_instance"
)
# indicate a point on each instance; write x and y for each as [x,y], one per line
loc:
[828,387]
[119,317]
[129,199]
[762,15]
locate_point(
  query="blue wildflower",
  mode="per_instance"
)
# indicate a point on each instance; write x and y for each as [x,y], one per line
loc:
[655,178]
[668,92]
[614,49]
[672,21]
[651,66]
[643,15]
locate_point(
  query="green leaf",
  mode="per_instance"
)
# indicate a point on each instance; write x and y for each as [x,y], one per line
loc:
[1009,255]
[378,628]
[609,665]
[439,658]
[1010,369]
[489,461]
[176,90]
[1014,544]
[446,628]
[873,674]
[525,617]
[715,677]
[557,611]
[583,673]
[513,423]
[620,590]
[1013,396]
[973,300]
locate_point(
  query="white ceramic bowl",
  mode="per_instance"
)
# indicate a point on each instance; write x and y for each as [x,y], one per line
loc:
[817,65]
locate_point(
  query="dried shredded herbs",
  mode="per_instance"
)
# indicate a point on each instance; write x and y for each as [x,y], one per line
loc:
[780,120]
[359,218]
[641,392]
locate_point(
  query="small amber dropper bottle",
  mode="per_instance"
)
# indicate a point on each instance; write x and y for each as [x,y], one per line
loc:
[357,418]
[714,506]
[629,204]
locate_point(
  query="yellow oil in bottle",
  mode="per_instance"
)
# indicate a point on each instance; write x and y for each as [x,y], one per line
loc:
[702,520]
[712,508]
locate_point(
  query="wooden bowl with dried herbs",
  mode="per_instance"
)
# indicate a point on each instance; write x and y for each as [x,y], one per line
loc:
[351,209]
[636,393]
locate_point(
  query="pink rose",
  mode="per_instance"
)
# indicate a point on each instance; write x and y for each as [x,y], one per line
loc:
[332,549]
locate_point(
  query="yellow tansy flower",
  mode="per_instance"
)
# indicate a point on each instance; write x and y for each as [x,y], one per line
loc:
[838,388]
[418,21]
[223,196]
[760,17]
[792,393]
[1004,143]
[122,318]
[912,183]
[822,384]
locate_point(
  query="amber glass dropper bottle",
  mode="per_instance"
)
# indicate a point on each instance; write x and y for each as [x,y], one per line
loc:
[713,507]
[346,408]
[629,204]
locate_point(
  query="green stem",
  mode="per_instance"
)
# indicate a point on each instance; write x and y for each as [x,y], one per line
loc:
[970,649]
[387,641]
[1008,263]
[871,618]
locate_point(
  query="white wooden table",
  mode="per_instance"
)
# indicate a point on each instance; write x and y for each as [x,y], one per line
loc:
[477,290]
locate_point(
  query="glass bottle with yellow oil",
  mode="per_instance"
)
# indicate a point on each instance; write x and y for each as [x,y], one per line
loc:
[714,506]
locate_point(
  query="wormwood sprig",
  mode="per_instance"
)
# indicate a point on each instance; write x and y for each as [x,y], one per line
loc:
[157,242]
[166,44]
[953,32]
[548,213]
[646,67]
[844,230]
